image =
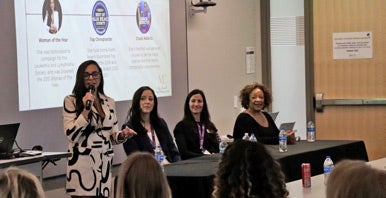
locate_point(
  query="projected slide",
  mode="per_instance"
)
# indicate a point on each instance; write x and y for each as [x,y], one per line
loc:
[129,39]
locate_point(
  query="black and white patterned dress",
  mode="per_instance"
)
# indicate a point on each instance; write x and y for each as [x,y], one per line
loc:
[90,142]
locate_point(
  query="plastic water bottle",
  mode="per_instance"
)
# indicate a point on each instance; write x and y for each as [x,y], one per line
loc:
[246,136]
[159,154]
[310,131]
[222,146]
[253,138]
[282,141]
[328,165]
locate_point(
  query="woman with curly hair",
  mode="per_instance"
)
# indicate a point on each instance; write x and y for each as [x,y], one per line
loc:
[247,169]
[254,99]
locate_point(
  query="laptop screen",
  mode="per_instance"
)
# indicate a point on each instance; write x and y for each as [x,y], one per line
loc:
[287,126]
[8,134]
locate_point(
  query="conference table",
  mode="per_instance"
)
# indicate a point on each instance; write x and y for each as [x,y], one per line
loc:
[194,177]
[318,189]
[34,164]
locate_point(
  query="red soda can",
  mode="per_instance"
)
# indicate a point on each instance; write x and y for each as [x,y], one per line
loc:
[306,175]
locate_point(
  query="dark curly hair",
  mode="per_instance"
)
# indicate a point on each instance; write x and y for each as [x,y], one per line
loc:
[247,169]
[246,91]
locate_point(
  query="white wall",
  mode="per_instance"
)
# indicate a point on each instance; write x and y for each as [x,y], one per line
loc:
[216,61]
[288,66]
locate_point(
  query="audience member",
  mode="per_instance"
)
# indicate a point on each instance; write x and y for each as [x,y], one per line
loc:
[254,99]
[19,183]
[141,176]
[246,169]
[356,179]
[152,130]
[91,127]
[196,134]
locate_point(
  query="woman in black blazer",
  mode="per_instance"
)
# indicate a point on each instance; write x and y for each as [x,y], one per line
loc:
[196,134]
[151,130]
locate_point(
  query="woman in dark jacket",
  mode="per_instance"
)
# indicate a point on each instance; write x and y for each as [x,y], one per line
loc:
[196,134]
[151,130]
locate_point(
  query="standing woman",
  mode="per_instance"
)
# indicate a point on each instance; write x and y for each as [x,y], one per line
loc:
[196,134]
[91,128]
[255,98]
[152,130]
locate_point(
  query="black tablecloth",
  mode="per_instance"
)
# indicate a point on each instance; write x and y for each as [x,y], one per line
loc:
[194,177]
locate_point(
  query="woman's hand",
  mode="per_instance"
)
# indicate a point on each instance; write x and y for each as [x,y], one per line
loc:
[290,137]
[128,133]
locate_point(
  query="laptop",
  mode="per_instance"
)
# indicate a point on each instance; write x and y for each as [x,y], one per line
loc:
[287,126]
[8,134]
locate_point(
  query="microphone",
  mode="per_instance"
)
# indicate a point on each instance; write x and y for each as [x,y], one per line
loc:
[88,102]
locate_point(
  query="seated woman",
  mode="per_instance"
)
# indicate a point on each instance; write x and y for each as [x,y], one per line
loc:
[15,182]
[140,175]
[255,98]
[355,179]
[196,134]
[246,169]
[151,129]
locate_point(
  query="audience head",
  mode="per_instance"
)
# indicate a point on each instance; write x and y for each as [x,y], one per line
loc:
[355,179]
[140,175]
[247,169]
[19,183]
[140,105]
[245,94]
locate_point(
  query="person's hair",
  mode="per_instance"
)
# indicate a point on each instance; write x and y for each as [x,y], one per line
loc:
[247,169]
[141,175]
[204,116]
[246,91]
[355,179]
[134,114]
[19,183]
[80,89]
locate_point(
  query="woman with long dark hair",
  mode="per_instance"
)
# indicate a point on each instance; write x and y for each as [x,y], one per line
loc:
[91,127]
[196,134]
[151,128]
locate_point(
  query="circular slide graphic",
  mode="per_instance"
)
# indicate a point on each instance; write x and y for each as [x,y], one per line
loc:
[100,18]
[143,17]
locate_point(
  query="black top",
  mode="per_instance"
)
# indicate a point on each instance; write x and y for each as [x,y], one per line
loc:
[245,123]
[142,142]
[188,140]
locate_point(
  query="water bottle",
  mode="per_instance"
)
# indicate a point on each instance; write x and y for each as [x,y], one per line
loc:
[246,136]
[310,131]
[253,138]
[222,146]
[282,141]
[328,165]
[159,154]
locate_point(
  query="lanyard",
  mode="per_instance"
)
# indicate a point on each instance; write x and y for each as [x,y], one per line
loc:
[201,133]
[153,143]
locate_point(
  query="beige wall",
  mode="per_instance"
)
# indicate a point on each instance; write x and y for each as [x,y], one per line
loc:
[216,55]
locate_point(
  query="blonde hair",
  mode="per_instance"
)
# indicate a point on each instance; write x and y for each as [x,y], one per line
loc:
[19,183]
[140,175]
[355,179]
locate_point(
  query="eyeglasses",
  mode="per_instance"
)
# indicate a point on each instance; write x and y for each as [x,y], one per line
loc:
[94,75]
